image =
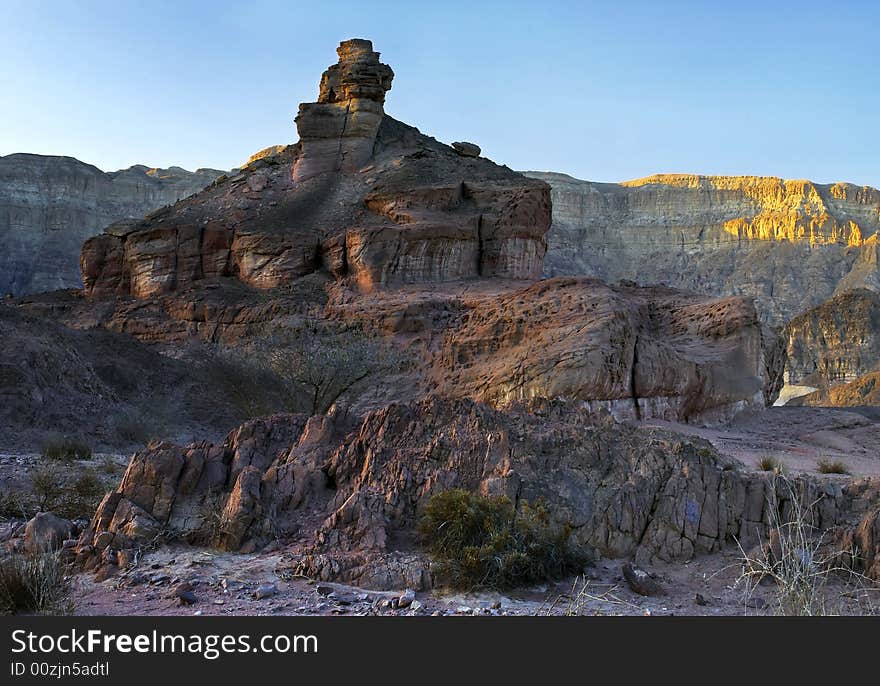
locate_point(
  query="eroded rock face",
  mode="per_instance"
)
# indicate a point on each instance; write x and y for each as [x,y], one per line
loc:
[624,491]
[788,244]
[361,196]
[835,342]
[638,352]
[338,132]
[49,205]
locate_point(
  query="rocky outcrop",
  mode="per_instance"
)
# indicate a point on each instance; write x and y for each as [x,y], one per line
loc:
[361,196]
[864,390]
[835,342]
[49,205]
[338,132]
[788,244]
[353,493]
[638,352]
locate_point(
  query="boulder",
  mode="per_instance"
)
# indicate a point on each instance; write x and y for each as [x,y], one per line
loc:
[47,532]
[467,149]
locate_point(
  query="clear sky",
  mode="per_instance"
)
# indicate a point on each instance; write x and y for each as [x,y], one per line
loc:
[601,90]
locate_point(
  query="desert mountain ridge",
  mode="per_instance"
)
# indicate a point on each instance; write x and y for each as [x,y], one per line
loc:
[790,245]
[50,204]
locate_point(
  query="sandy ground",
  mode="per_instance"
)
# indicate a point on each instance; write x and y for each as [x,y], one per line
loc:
[229,584]
[798,437]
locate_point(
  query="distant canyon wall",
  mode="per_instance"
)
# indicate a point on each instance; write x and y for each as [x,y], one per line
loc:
[49,205]
[790,245]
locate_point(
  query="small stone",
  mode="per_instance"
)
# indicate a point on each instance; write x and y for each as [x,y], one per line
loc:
[700,599]
[641,582]
[186,597]
[406,598]
[324,590]
[265,591]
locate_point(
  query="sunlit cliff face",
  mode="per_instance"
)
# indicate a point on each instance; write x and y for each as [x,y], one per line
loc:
[787,210]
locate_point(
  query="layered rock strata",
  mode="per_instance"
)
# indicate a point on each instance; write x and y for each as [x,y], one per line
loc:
[788,244]
[49,205]
[835,342]
[360,196]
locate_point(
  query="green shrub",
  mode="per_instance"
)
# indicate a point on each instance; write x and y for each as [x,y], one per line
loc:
[66,449]
[32,583]
[478,541]
[831,467]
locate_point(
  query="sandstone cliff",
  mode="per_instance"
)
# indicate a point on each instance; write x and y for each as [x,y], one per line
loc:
[788,244]
[50,205]
[835,342]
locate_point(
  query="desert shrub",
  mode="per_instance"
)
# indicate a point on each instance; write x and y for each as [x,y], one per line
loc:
[66,449]
[251,388]
[479,541]
[50,492]
[768,463]
[831,467]
[47,488]
[109,466]
[81,498]
[13,505]
[133,430]
[799,563]
[32,583]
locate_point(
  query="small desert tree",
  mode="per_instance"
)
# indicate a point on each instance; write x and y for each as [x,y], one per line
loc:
[324,362]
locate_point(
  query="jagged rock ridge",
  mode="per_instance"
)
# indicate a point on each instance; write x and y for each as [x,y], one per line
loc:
[356,491]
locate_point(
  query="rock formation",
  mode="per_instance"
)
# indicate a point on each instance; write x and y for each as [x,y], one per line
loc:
[361,196]
[835,342]
[390,216]
[638,352]
[338,132]
[788,244]
[353,493]
[49,205]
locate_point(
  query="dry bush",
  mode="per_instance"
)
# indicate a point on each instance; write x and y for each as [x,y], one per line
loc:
[50,491]
[799,563]
[768,463]
[33,583]
[831,467]
[484,542]
[65,449]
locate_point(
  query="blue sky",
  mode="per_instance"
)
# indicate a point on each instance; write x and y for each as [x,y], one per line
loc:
[604,91]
